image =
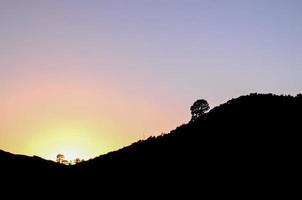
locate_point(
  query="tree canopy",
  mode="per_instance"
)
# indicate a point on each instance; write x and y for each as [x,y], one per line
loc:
[199,108]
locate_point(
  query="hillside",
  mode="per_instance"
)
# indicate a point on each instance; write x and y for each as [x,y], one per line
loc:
[255,133]
[250,139]
[20,166]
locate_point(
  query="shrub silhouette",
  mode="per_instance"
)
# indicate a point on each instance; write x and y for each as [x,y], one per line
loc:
[78,160]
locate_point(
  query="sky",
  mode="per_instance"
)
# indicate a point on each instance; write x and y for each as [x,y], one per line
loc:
[86,77]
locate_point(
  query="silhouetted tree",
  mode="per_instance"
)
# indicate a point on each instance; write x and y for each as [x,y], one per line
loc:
[199,108]
[60,158]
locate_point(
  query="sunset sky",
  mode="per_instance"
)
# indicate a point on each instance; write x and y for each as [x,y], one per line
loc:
[85,77]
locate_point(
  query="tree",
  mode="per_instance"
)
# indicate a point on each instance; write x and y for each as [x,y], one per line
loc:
[77,160]
[60,158]
[199,108]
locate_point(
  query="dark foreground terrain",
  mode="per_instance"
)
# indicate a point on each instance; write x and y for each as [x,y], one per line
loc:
[251,143]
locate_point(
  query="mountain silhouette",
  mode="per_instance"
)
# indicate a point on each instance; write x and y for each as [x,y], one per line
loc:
[250,143]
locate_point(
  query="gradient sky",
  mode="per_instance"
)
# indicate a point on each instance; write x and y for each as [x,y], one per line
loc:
[84,77]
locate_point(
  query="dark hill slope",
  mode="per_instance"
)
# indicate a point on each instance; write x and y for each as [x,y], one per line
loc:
[254,137]
[25,167]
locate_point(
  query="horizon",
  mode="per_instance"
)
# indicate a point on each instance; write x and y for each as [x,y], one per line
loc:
[83,78]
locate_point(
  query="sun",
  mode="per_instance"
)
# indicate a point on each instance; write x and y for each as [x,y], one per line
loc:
[69,156]
[70,153]
[73,140]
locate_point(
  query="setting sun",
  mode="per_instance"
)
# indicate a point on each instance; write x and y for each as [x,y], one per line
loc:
[71,142]
[70,153]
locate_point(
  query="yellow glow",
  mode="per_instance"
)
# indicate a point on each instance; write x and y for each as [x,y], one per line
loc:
[81,119]
[71,142]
